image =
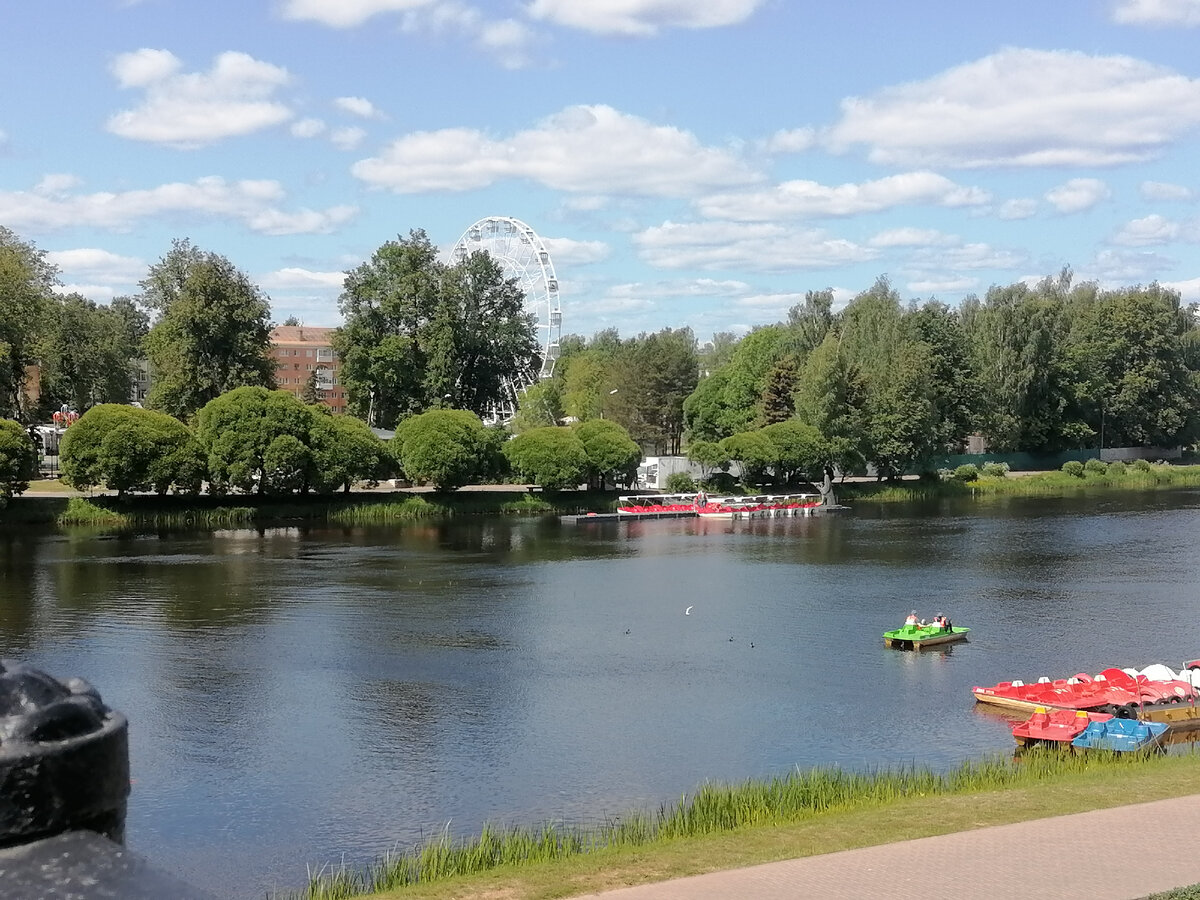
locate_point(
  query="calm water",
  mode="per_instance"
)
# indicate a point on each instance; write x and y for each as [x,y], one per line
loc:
[302,696]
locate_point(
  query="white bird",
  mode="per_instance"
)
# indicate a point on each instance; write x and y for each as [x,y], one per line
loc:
[688,611]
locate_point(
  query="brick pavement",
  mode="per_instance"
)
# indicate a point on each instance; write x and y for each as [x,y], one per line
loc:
[1122,853]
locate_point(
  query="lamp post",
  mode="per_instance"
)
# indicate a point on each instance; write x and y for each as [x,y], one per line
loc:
[610,393]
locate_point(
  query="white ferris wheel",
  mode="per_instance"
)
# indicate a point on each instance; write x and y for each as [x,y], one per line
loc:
[522,255]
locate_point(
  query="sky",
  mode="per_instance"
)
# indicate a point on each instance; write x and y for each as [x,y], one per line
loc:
[696,163]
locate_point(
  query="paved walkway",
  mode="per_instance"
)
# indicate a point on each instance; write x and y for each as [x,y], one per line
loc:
[1122,853]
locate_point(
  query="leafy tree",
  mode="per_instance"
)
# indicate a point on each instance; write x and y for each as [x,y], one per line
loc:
[86,353]
[18,460]
[798,449]
[418,333]
[585,383]
[237,429]
[753,452]
[212,334]
[291,321]
[776,401]
[312,393]
[653,375]
[611,453]
[955,395]
[26,292]
[555,458]
[709,455]
[126,448]
[831,397]
[728,401]
[539,405]
[900,415]
[811,320]
[444,447]
[345,451]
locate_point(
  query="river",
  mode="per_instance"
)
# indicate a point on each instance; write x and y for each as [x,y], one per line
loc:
[303,696]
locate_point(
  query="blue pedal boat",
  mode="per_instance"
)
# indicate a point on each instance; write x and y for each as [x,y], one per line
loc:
[1121,735]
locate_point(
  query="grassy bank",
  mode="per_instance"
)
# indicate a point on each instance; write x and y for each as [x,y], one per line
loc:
[1041,484]
[727,826]
[208,513]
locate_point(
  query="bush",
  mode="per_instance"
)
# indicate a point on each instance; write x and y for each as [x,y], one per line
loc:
[720,483]
[1142,465]
[967,472]
[1116,467]
[680,483]
[1095,467]
[995,469]
[945,474]
[1073,467]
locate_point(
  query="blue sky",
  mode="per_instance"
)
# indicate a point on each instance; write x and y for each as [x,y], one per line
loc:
[686,162]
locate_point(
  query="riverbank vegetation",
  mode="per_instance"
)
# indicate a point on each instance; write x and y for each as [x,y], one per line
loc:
[727,826]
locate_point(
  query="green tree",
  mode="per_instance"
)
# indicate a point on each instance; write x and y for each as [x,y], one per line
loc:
[86,354]
[831,397]
[611,453]
[729,400]
[538,405]
[212,334]
[27,281]
[237,429]
[312,392]
[652,376]
[753,453]
[555,458]
[18,460]
[776,403]
[799,450]
[709,455]
[345,451]
[419,334]
[126,448]
[444,447]
[900,415]
[954,394]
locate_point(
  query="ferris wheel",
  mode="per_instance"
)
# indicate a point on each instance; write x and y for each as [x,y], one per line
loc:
[522,255]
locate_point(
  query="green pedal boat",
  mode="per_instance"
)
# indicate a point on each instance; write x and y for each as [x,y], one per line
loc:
[921,637]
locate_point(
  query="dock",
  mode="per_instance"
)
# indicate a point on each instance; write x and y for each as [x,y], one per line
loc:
[630,517]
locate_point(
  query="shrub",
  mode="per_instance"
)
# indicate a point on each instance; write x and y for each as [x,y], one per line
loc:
[995,469]
[680,483]
[720,482]
[1142,465]
[945,474]
[1095,467]
[1116,467]
[966,472]
[1073,467]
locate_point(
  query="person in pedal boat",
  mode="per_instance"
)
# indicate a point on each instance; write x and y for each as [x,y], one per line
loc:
[912,619]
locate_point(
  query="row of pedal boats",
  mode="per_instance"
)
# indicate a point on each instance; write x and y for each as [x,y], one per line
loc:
[1116,709]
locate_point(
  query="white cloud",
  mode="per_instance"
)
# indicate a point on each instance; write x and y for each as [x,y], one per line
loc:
[307,128]
[1077,194]
[912,237]
[1017,208]
[795,140]
[1189,290]
[1153,229]
[347,138]
[358,106]
[589,149]
[1157,12]
[642,17]
[1126,266]
[808,198]
[97,265]
[943,285]
[1162,190]
[198,108]
[507,40]
[672,290]
[293,278]
[57,183]
[345,13]
[1023,107]
[757,247]
[253,203]
[564,251]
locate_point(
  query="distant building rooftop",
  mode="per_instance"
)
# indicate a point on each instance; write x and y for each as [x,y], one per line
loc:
[301,334]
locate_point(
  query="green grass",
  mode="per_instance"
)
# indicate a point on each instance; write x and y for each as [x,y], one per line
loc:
[733,825]
[1192,892]
[1041,484]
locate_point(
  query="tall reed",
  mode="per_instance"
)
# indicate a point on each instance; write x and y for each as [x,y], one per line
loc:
[714,808]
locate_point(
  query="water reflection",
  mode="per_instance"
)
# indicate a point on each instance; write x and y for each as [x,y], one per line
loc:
[301,693]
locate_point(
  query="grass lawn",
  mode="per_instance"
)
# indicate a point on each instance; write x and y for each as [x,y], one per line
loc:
[50,485]
[859,824]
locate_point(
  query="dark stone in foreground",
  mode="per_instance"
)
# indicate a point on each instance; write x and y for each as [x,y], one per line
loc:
[82,865]
[64,758]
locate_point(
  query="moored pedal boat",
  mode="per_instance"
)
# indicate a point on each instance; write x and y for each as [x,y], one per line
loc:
[919,637]
[1156,693]
[1054,726]
[1120,735]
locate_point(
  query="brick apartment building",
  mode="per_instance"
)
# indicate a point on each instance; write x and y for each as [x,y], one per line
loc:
[300,350]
